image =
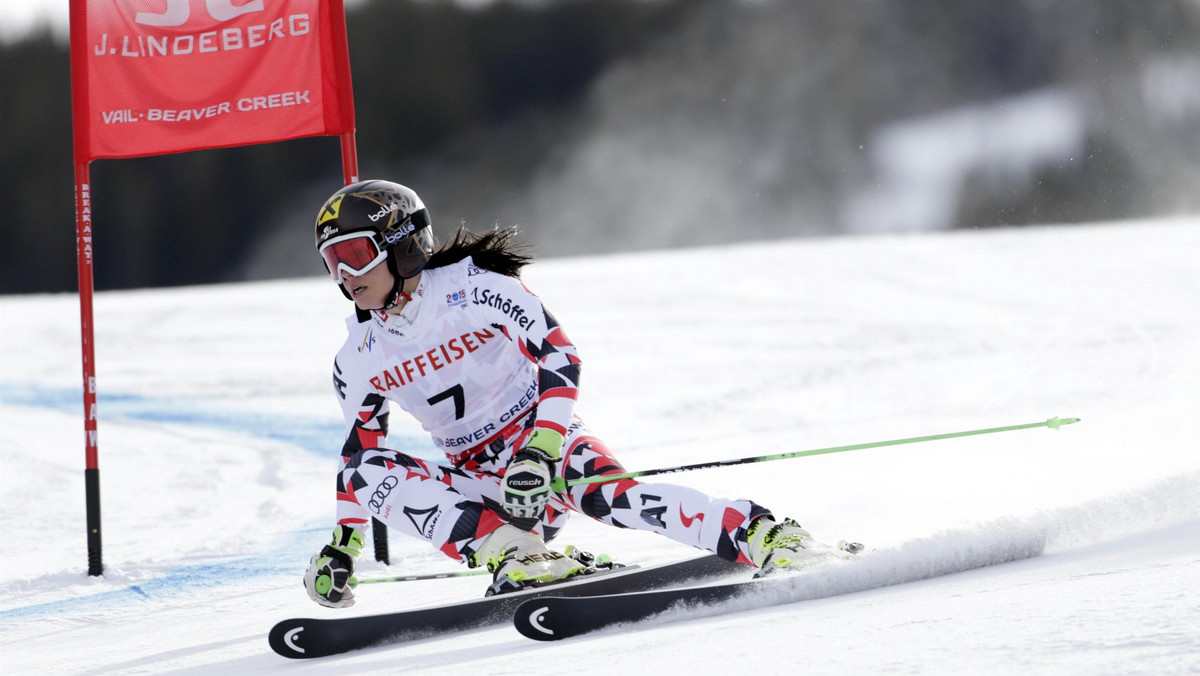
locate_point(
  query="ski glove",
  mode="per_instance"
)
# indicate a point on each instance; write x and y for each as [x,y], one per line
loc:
[330,579]
[527,480]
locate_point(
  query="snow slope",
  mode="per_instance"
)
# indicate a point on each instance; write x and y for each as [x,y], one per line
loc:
[217,446]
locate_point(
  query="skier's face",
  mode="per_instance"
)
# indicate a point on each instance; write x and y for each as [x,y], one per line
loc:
[370,291]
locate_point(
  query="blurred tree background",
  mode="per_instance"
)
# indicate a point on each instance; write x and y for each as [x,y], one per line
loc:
[613,125]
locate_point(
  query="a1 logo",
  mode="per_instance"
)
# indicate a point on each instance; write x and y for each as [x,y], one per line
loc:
[177,12]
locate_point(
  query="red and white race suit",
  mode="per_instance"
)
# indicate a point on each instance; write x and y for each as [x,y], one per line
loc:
[479,361]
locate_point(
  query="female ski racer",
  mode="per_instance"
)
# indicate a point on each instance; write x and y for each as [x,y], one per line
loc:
[455,339]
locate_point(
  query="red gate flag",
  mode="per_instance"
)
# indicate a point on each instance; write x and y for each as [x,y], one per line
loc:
[152,77]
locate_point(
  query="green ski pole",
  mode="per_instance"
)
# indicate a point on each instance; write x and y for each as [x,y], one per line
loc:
[602,560]
[559,484]
[428,576]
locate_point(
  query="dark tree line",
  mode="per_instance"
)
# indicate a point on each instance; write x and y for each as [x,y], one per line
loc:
[423,72]
[473,105]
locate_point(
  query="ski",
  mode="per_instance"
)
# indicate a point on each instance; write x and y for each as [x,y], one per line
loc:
[303,638]
[553,617]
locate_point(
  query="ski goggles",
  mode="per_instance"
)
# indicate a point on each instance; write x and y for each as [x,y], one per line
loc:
[356,253]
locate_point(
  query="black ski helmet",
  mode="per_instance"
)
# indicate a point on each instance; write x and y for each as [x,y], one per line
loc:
[397,219]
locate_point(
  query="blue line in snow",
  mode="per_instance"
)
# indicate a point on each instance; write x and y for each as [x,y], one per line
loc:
[180,580]
[292,552]
[320,437]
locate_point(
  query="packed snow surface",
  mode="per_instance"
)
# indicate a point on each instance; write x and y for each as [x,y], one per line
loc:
[219,434]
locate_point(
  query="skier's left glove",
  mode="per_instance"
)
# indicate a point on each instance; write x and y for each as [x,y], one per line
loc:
[330,577]
[527,480]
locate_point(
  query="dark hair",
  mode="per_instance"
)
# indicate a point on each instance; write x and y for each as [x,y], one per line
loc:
[494,250]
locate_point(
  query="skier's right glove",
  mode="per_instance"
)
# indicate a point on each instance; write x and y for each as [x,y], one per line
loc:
[330,579]
[527,479]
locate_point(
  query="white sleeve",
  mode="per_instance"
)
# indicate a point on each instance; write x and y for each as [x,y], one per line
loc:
[365,411]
